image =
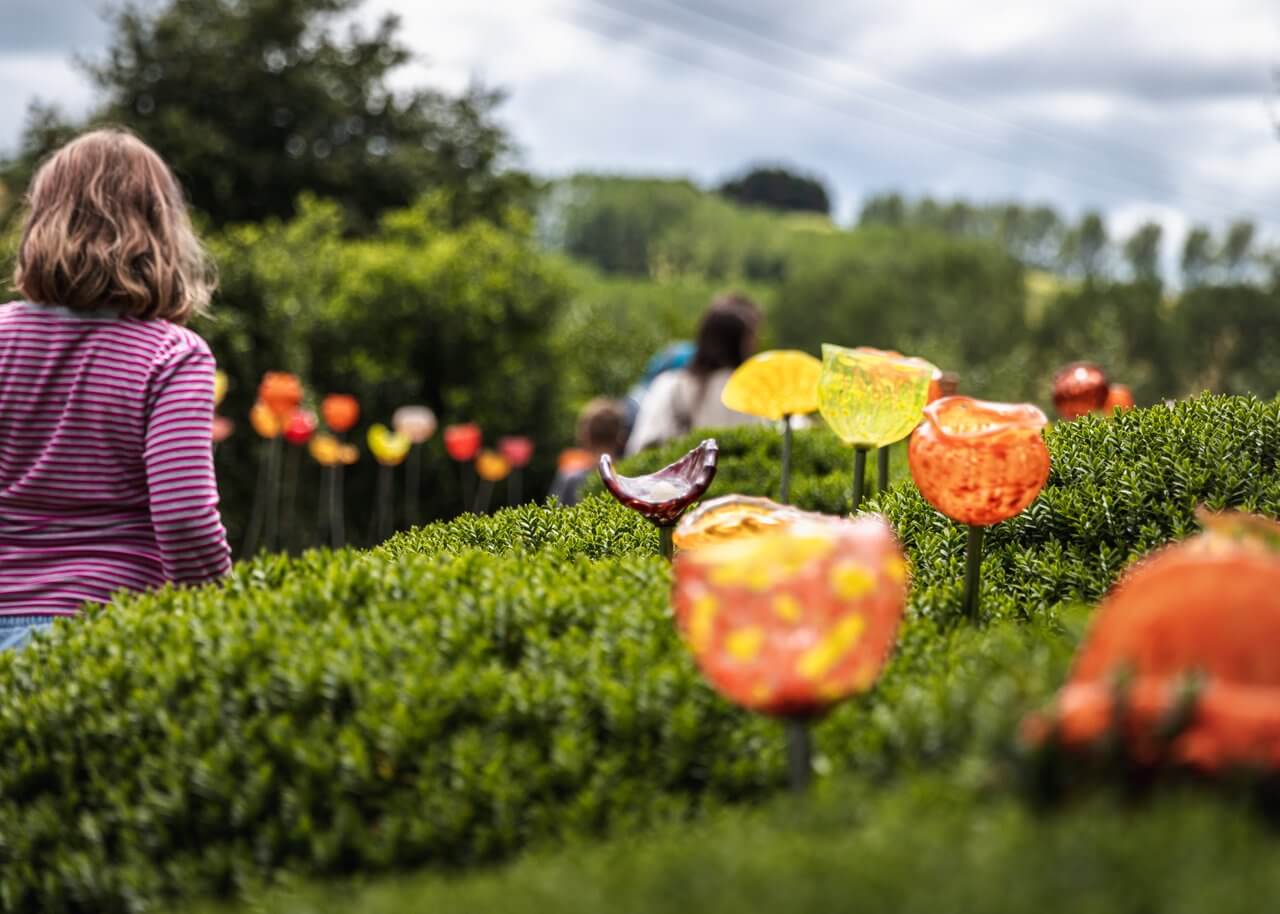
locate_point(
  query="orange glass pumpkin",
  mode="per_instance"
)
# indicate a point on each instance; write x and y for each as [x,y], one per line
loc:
[1118,397]
[979,462]
[340,412]
[281,392]
[1079,389]
[789,623]
[1208,607]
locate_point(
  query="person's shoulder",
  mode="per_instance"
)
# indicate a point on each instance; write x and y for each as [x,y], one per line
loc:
[172,341]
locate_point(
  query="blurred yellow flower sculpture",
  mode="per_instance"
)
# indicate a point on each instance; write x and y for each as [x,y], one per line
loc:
[388,448]
[328,451]
[492,466]
[774,385]
[219,387]
[264,421]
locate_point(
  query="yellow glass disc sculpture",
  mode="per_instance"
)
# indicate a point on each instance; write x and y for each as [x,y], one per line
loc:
[389,448]
[771,385]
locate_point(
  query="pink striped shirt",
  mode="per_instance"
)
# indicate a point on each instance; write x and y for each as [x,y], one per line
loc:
[106,467]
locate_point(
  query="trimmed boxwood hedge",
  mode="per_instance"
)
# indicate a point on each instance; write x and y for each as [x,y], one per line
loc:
[475,688]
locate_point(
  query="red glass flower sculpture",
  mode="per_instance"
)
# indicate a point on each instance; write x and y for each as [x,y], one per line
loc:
[663,496]
[1194,630]
[516,449]
[281,392]
[1079,389]
[462,442]
[340,412]
[300,427]
[791,622]
[979,462]
[1118,397]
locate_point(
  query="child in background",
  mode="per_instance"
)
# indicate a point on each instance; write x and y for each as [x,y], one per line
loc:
[106,400]
[601,430]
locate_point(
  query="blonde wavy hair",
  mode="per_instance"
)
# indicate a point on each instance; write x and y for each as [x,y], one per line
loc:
[107,227]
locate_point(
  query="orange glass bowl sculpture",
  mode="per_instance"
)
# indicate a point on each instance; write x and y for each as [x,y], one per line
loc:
[791,622]
[979,462]
[1194,627]
[340,412]
[281,392]
[1118,397]
[1079,389]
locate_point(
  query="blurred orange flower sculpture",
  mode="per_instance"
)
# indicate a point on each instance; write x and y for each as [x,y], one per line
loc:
[732,517]
[1118,397]
[328,451]
[281,392]
[789,623]
[340,412]
[1190,634]
[1079,389]
[979,462]
[492,466]
[265,421]
[772,385]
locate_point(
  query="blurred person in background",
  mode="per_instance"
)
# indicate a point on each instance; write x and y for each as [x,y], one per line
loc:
[671,357]
[601,430]
[677,402]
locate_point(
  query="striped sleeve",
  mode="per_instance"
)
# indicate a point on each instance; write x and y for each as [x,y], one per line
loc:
[179,463]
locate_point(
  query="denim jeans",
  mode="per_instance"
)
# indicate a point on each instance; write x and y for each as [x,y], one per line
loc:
[16,631]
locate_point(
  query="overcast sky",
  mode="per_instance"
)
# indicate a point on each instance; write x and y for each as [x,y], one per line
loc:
[1147,109]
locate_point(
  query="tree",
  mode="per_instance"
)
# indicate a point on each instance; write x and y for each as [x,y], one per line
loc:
[1237,249]
[778,188]
[1142,250]
[1197,256]
[1085,247]
[255,101]
[884,209]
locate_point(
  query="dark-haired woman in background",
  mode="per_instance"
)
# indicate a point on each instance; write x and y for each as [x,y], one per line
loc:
[678,402]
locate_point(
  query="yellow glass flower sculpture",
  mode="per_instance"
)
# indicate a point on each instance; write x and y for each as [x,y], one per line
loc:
[328,451]
[492,466]
[776,385]
[871,399]
[388,448]
[219,387]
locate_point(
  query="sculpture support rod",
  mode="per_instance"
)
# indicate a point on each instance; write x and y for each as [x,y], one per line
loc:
[799,754]
[784,487]
[859,475]
[882,469]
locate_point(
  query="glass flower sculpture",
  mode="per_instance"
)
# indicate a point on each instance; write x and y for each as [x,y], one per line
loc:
[1119,397]
[492,466]
[340,412]
[776,385]
[870,399]
[1181,658]
[264,420]
[388,448]
[222,429]
[662,497]
[300,427]
[417,423]
[979,463]
[734,516]
[1079,389]
[462,441]
[219,387]
[281,392]
[518,451]
[328,451]
[790,622]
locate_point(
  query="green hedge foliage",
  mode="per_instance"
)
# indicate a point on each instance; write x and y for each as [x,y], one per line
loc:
[480,687]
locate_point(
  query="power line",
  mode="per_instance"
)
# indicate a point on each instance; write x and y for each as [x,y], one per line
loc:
[844,110]
[768,32]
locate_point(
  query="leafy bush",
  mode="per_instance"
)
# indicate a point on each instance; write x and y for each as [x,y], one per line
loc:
[476,688]
[927,845]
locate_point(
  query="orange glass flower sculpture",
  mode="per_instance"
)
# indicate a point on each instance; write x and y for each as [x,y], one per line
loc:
[1192,633]
[265,421]
[663,496]
[776,385]
[979,463]
[340,412]
[1079,389]
[328,451]
[388,448]
[417,423]
[871,398]
[300,427]
[789,623]
[462,441]
[1119,397]
[492,466]
[281,392]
